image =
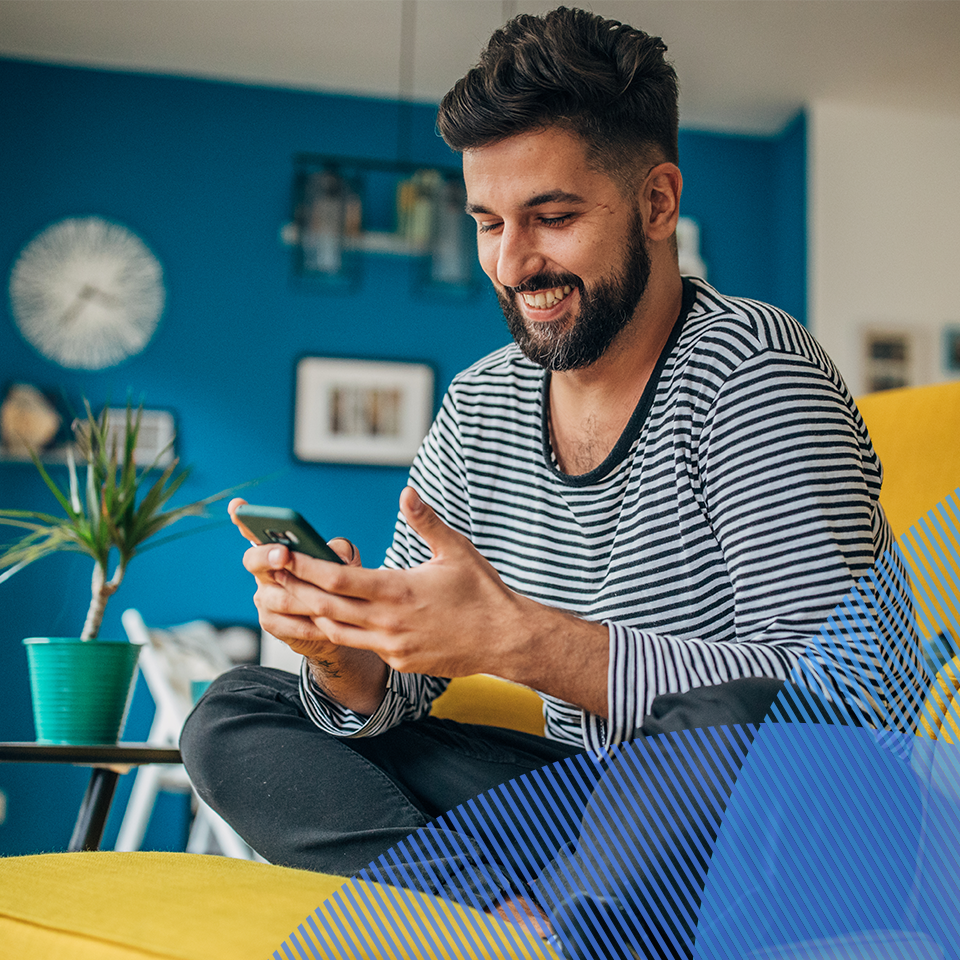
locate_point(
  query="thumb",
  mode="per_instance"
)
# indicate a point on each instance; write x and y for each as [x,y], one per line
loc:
[425,522]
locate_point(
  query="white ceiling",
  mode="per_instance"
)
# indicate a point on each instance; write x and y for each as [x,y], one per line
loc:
[744,65]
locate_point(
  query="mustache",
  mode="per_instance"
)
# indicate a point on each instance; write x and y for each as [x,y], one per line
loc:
[547,281]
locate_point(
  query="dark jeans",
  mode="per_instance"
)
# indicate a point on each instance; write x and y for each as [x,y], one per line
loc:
[304,799]
[436,805]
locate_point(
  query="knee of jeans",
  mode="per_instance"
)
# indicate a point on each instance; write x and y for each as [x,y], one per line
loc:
[197,743]
[222,713]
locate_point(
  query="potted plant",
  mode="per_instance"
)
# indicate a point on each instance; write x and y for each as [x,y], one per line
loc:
[81,686]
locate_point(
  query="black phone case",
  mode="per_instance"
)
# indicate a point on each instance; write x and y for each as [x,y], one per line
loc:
[287,527]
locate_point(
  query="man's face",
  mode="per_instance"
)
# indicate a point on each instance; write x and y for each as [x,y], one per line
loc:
[563,246]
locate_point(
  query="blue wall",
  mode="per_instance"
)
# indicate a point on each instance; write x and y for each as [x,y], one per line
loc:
[202,170]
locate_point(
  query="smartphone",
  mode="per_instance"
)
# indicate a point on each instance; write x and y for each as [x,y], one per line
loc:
[287,527]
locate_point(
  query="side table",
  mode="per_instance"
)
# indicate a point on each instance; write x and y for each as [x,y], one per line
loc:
[108,762]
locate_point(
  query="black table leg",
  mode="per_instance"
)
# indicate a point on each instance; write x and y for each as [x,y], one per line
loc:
[92,818]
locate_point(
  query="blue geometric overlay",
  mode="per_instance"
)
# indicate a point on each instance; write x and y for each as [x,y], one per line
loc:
[829,832]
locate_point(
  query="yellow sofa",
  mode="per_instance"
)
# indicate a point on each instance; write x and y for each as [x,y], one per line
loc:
[137,906]
[916,432]
[133,906]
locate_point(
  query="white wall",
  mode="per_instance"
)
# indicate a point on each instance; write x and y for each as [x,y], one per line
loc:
[884,232]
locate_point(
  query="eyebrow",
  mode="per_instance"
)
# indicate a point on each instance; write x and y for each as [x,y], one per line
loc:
[552,196]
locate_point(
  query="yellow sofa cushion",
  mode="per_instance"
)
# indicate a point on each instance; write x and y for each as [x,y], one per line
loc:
[122,905]
[134,906]
[492,701]
[940,716]
[181,906]
[915,431]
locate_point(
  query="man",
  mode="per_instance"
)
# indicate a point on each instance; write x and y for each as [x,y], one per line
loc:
[643,509]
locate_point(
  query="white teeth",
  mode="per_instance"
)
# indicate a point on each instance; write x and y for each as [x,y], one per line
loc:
[543,299]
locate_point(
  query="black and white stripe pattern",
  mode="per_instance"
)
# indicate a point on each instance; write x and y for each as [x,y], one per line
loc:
[739,506]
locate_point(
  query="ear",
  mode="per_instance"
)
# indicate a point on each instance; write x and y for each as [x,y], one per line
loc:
[661,199]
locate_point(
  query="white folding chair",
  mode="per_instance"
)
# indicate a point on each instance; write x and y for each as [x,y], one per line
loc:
[170,660]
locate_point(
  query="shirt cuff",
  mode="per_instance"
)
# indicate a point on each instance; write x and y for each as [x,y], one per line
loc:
[332,717]
[403,700]
[626,693]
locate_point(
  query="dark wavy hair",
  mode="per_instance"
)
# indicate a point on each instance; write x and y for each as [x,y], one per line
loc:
[603,80]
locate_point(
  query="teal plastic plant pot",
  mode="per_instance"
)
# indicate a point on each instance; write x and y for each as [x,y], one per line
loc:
[81,688]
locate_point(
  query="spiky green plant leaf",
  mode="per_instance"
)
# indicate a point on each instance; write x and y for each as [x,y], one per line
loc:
[120,510]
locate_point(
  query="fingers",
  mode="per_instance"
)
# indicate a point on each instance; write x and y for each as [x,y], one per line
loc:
[436,534]
[267,560]
[327,591]
[264,560]
[271,599]
[345,550]
[283,613]
[301,634]
[292,584]
[277,556]
[232,510]
[293,614]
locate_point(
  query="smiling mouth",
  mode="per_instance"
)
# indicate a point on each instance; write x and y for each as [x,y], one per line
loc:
[545,299]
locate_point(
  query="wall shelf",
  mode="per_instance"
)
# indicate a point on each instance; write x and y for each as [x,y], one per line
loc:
[155,442]
[345,208]
[51,455]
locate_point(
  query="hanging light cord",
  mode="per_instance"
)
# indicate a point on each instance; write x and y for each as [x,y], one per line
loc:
[408,43]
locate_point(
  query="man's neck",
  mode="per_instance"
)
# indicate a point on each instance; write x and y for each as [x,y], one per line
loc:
[590,407]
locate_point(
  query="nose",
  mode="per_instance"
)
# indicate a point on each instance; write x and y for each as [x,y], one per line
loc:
[517,257]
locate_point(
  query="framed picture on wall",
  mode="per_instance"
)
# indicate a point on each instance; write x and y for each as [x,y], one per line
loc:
[899,355]
[889,359]
[155,441]
[951,349]
[361,411]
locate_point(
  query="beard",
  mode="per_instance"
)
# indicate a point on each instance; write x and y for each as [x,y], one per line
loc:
[604,311]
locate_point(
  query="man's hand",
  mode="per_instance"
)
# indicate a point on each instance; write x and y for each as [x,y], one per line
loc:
[354,678]
[451,616]
[445,617]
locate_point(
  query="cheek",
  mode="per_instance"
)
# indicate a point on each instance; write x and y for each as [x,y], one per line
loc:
[488,254]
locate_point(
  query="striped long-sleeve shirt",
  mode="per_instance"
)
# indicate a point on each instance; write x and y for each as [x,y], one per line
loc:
[739,505]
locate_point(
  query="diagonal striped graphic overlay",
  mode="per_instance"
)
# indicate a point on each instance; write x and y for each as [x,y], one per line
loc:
[831,832]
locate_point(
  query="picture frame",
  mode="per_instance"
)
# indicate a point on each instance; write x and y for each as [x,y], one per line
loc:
[898,355]
[951,349]
[361,411]
[155,441]
[890,359]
